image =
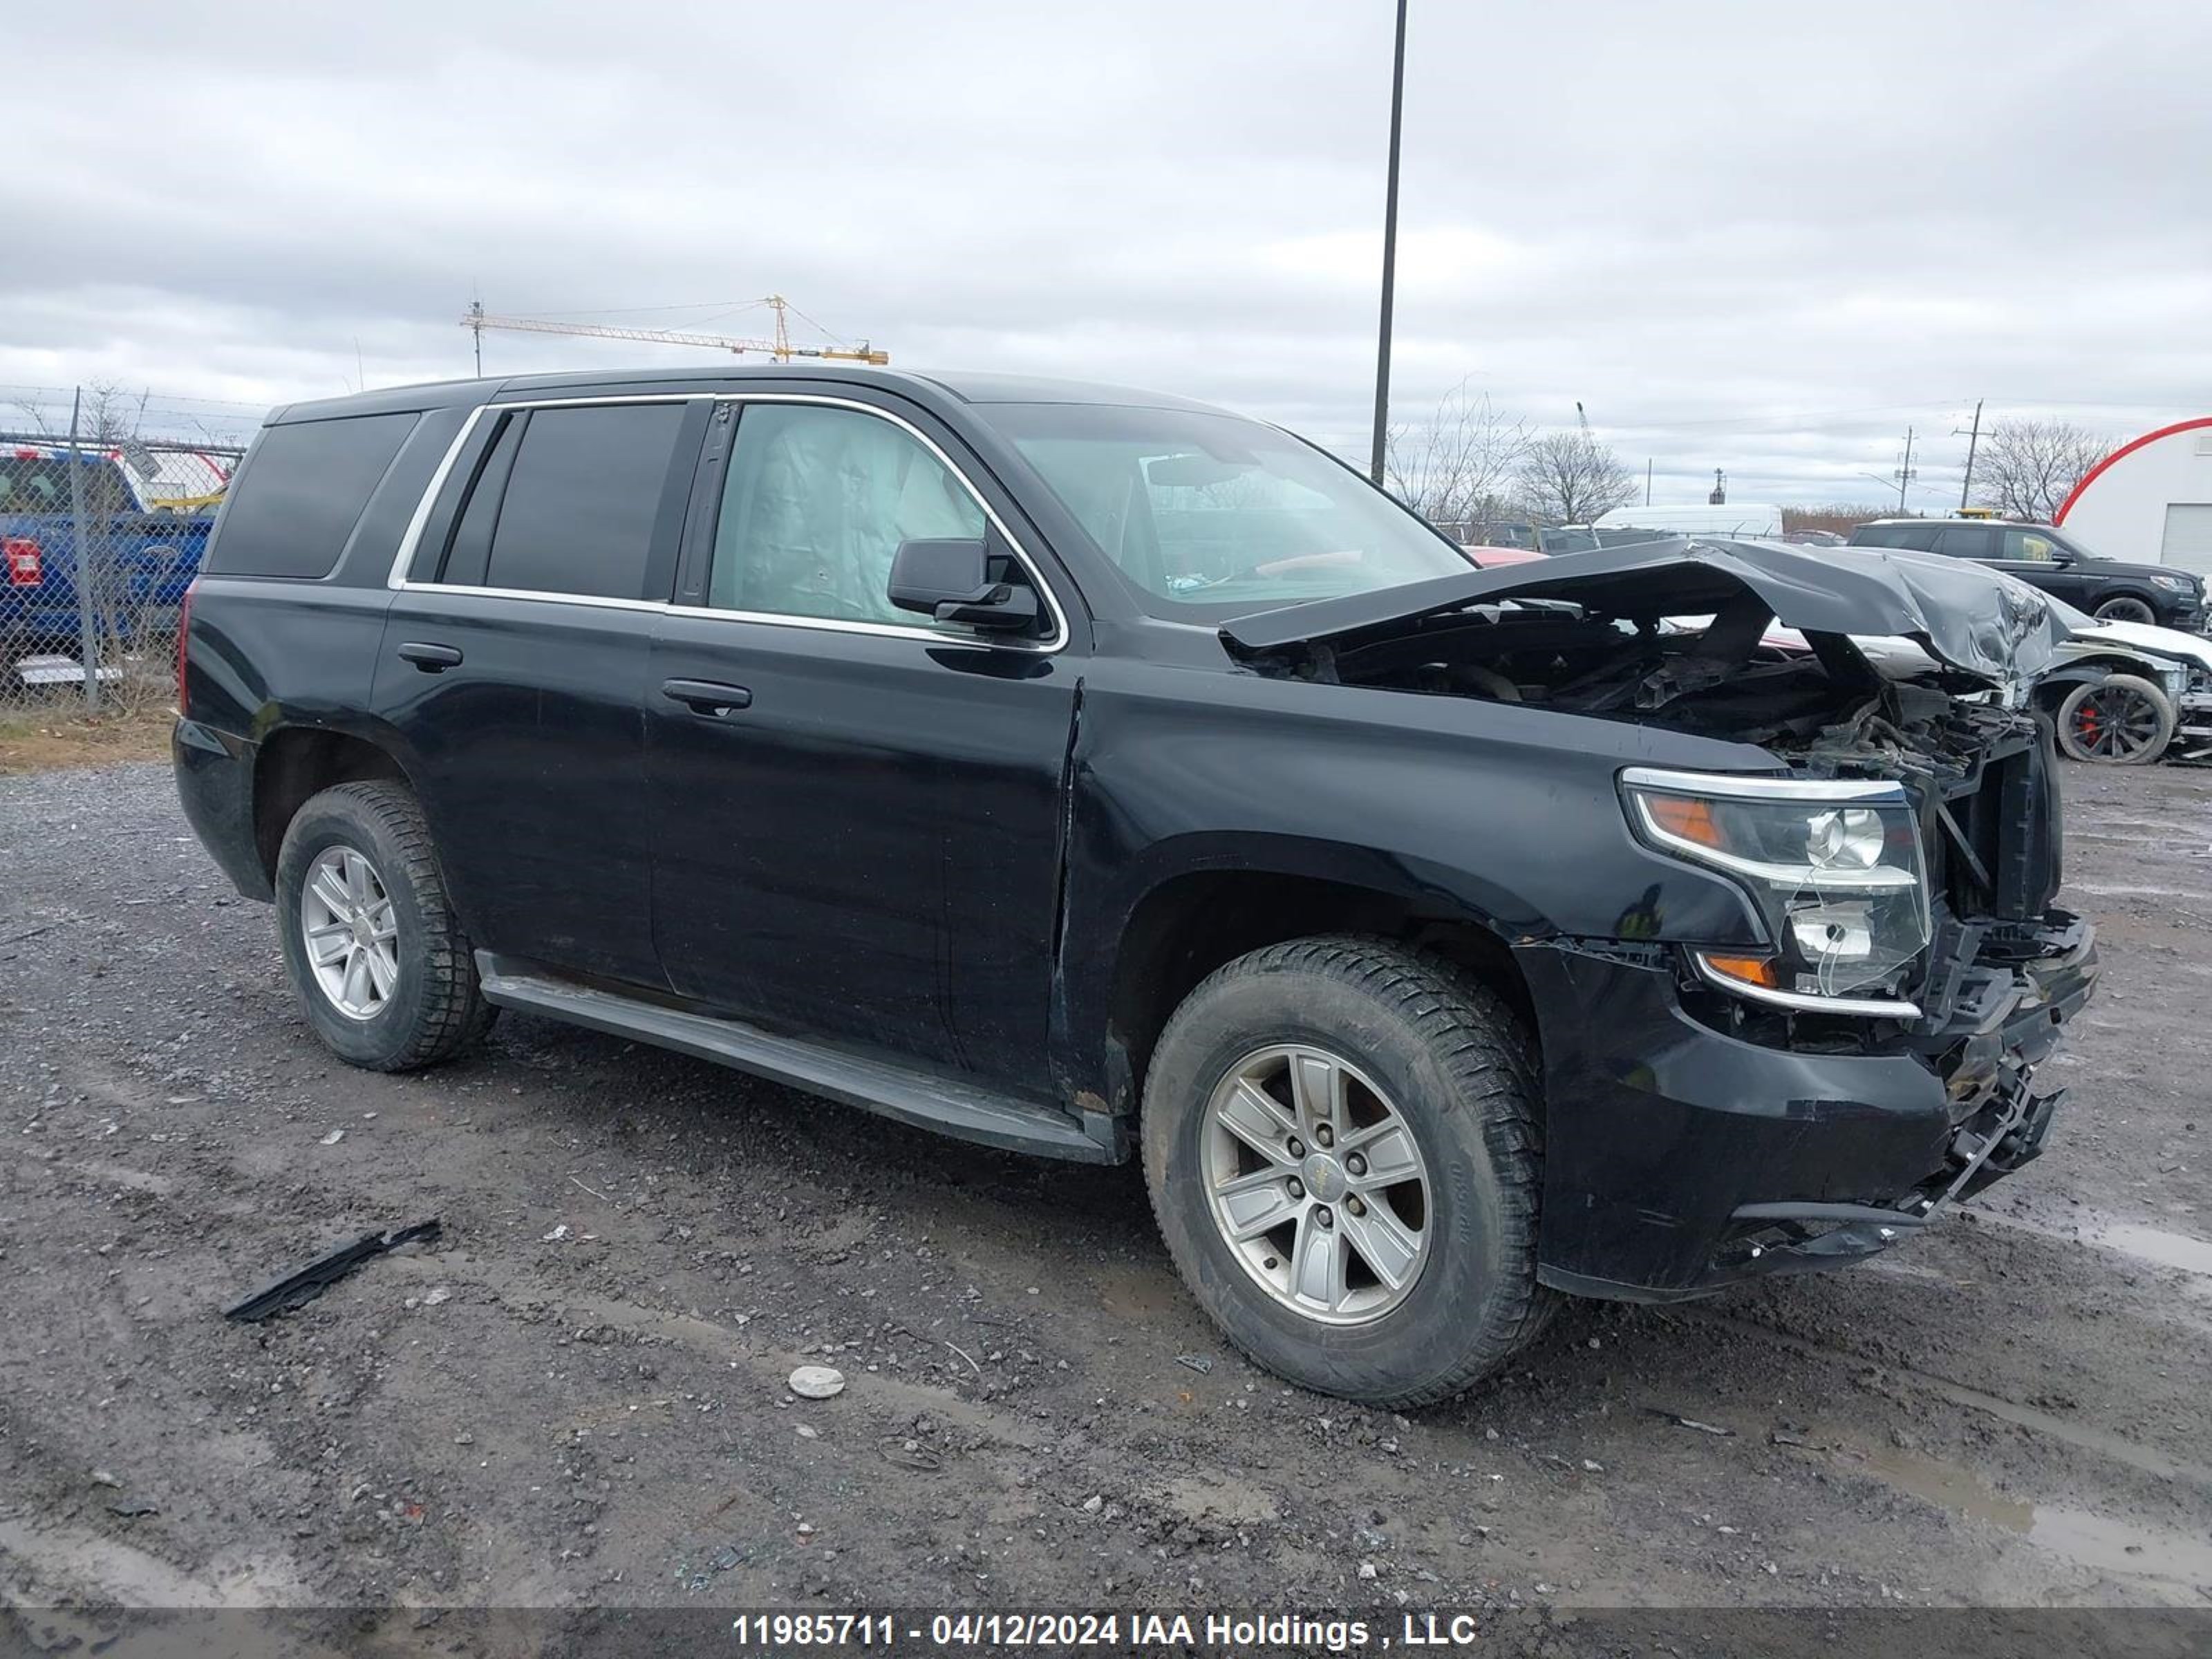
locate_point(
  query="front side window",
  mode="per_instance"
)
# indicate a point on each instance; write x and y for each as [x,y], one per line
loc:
[580,499]
[2028,547]
[816,503]
[1209,515]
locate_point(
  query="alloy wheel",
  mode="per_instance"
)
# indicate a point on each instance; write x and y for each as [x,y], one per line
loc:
[2115,723]
[1318,1186]
[352,933]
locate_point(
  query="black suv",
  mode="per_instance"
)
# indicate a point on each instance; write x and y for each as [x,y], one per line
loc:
[2042,555]
[1097,775]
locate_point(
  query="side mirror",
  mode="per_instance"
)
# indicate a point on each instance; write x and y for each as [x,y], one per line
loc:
[963,582]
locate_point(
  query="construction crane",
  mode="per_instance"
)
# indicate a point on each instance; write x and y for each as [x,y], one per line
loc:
[780,348]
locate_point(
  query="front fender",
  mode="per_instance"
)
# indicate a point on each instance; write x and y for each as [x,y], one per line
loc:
[1459,810]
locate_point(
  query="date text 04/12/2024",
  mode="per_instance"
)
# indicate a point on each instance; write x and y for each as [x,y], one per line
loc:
[1170,1631]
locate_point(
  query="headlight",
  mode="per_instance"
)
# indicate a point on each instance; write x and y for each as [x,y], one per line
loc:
[2176,583]
[1834,868]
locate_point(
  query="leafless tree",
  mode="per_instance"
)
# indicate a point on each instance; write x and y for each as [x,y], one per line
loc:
[1569,478]
[1456,467]
[2027,468]
[1840,517]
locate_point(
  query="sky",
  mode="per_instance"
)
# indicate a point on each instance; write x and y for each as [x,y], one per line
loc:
[1761,237]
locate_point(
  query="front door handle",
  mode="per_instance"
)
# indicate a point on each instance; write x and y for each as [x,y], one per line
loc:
[430,659]
[706,696]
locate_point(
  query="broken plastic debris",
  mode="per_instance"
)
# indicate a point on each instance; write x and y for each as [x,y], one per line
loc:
[1200,1362]
[296,1289]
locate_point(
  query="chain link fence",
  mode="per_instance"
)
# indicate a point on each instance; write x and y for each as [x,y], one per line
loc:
[98,539]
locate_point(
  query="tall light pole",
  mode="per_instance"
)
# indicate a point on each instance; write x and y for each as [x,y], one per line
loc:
[1389,253]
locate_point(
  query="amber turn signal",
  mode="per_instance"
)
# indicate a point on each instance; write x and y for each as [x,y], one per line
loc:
[1762,971]
[1685,816]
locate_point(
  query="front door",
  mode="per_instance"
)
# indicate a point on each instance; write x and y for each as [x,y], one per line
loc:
[856,811]
[514,664]
[2040,561]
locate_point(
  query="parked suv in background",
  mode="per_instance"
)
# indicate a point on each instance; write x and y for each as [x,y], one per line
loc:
[2043,556]
[1094,774]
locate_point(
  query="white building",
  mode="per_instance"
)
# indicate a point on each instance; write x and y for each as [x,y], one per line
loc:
[2150,501]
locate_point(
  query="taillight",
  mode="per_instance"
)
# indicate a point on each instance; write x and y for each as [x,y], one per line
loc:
[184,637]
[25,567]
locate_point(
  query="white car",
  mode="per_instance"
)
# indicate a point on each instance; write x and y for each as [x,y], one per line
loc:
[2119,693]
[2124,693]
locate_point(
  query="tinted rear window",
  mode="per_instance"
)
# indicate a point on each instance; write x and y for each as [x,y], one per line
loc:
[577,516]
[1920,537]
[302,492]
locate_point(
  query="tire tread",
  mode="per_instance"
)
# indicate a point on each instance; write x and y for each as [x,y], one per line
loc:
[1489,1062]
[454,1011]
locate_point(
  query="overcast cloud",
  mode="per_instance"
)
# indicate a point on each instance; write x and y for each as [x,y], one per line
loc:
[1764,237]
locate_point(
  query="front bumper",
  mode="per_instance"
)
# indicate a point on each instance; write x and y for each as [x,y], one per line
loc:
[1680,1158]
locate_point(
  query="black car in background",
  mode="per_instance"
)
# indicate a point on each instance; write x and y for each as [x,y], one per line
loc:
[1094,774]
[2042,555]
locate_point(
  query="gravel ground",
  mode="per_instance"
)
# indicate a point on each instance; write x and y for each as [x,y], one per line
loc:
[578,1397]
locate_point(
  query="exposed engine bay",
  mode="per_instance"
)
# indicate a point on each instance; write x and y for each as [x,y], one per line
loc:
[1905,671]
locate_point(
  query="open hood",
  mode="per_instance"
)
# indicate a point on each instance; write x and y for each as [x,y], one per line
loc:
[1971,619]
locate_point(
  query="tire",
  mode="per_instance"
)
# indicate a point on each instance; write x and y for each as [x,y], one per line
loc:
[2119,720]
[433,1007]
[1445,1057]
[2126,608]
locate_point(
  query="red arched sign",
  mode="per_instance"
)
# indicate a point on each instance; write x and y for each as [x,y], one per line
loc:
[2128,448]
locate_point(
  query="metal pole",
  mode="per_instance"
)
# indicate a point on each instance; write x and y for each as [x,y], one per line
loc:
[1973,439]
[1390,253]
[1905,472]
[1647,481]
[87,636]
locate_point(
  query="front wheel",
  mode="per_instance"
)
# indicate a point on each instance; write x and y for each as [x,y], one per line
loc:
[2126,608]
[376,954]
[1342,1143]
[2119,720]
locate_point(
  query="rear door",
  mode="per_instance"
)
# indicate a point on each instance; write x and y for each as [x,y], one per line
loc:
[513,667]
[1966,541]
[860,844]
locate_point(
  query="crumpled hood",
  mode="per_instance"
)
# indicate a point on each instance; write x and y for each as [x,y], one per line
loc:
[1974,620]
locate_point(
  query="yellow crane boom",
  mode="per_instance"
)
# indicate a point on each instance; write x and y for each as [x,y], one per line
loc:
[780,348]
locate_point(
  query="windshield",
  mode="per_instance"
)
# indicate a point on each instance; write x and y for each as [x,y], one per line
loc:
[1210,516]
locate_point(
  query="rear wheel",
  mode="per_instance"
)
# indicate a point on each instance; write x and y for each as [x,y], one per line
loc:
[383,971]
[2119,720]
[1340,1142]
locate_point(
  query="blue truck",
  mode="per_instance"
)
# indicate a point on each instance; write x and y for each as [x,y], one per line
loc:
[141,559]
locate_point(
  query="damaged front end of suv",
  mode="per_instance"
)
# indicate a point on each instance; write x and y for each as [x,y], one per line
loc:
[1816,1081]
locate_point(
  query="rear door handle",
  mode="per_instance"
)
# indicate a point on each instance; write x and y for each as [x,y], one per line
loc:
[430,659]
[706,696]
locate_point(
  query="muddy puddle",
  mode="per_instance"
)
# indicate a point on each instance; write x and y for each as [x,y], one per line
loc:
[2102,1543]
[2157,1247]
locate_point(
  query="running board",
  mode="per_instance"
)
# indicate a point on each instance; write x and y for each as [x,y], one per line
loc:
[961,1110]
